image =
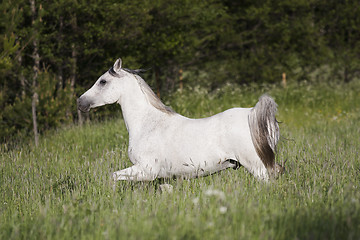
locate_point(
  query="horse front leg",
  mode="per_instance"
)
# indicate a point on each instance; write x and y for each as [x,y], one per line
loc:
[134,173]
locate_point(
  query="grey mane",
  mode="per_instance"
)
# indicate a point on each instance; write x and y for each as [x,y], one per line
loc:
[135,71]
[148,92]
[152,97]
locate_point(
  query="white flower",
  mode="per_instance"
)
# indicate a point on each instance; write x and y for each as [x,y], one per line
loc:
[223,209]
[195,201]
[216,193]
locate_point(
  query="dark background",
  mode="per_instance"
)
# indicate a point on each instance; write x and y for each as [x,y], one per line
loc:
[52,51]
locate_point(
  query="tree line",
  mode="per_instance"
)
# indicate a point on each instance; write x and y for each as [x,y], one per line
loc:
[51,51]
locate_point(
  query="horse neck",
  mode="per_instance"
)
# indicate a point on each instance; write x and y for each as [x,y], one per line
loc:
[136,109]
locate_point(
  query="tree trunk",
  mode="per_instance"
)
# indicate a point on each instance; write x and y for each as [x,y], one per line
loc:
[74,67]
[73,77]
[60,39]
[36,67]
[22,78]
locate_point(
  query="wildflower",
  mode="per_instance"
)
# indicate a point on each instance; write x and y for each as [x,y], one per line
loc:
[195,201]
[223,209]
[216,193]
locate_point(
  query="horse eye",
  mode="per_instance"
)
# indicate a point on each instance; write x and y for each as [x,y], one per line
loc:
[102,82]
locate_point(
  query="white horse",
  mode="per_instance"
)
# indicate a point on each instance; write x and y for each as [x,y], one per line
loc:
[163,143]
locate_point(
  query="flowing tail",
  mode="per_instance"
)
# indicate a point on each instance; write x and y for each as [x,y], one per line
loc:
[265,133]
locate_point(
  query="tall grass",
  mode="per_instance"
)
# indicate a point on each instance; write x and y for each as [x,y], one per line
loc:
[63,189]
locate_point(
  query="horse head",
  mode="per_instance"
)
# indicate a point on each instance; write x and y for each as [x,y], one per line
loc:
[106,90]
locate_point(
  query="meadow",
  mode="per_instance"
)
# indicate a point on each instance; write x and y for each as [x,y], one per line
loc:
[63,189]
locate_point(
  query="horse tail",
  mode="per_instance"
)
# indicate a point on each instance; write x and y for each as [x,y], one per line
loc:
[264,129]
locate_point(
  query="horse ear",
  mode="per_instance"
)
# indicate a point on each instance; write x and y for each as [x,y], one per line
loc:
[117,65]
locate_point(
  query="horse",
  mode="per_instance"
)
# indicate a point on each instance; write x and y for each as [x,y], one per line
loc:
[165,144]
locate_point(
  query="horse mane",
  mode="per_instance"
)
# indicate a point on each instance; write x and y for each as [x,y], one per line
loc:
[153,99]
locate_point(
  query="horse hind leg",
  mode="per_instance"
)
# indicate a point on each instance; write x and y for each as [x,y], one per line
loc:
[235,164]
[134,173]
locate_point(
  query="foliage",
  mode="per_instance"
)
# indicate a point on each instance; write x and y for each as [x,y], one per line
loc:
[54,108]
[208,43]
[339,22]
[9,47]
[63,189]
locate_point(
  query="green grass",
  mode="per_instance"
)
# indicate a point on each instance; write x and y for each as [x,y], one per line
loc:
[63,189]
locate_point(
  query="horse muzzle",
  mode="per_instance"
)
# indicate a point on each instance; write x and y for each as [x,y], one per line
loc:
[83,104]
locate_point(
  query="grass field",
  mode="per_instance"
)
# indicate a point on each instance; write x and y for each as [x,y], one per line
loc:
[63,189]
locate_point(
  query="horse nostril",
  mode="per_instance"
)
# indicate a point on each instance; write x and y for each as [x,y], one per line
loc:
[79,102]
[83,105]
